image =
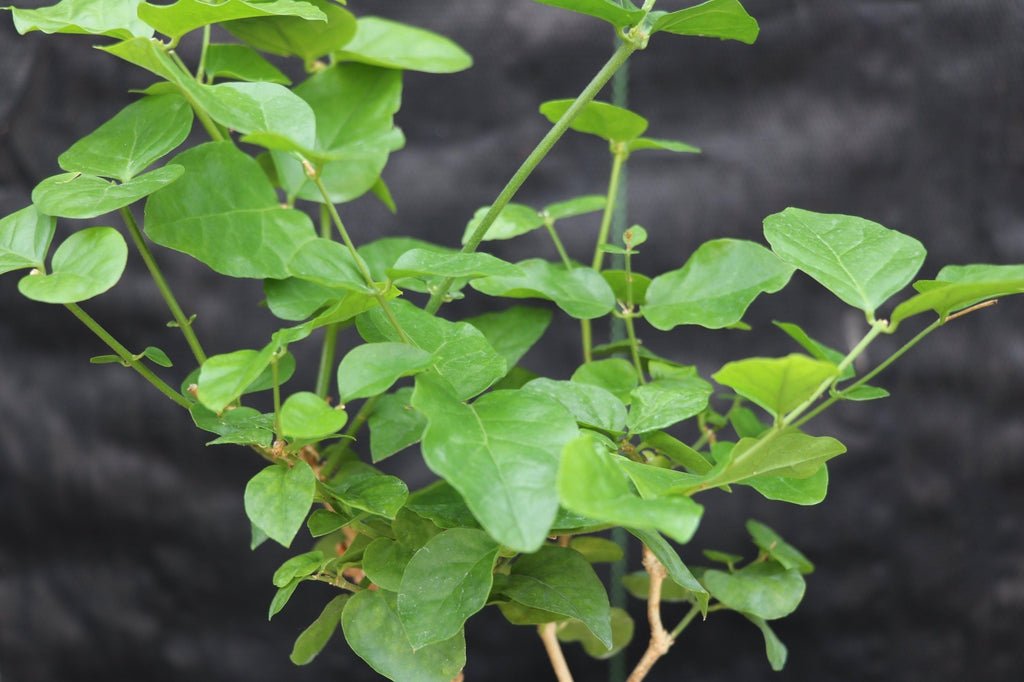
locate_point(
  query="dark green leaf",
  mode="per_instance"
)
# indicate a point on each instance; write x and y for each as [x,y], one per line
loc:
[765,590]
[443,505]
[85,265]
[314,638]
[384,562]
[513,331]
[772,544]
[298,567]
[184,16]
[777,384]
[374,367]
[665,402]
[725,19]
[394,424]
[72,195]
[282,597]
[394,45]
[294,35]
[114,18]
[610,10]
[295,299]
[25,238]
[323,522]
[590,405]
[362,487]
[606,121]
[580,292]
[622,635]
[278,498]
[307,415]
[239,62]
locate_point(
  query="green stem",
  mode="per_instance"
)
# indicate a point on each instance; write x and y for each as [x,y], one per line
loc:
[184,323]
[277,395]
[634,347]
[609,208]
[687,619]
[126,356]
[621,56]
[559,246]
[328,351]
[201,69]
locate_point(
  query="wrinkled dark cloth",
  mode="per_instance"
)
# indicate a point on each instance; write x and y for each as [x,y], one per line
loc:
[124,547]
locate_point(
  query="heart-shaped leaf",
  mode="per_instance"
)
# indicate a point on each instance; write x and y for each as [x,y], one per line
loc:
[394,45]
[72,195]
[590,405]
[777,384]
[87,264]
[764,590]
[373,368]
[278,498]
[580,292]
[25,238]
[307,415]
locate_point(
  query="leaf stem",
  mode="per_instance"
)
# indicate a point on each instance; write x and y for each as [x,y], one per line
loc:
[126,356]
[559,246]
[549,636]
[634,347]
[201,69]
[619,159]
[328,350]
[277,395]
[183,321]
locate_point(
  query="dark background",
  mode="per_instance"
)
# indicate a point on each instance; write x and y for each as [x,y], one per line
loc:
[123,544]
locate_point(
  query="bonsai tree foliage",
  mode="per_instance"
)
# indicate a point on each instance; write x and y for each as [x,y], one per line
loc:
[531,470]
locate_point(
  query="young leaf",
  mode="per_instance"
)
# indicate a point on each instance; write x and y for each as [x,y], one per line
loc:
[384,562]
[298,567]
[512,221]
[72,195]
[282,596]
[665,402]
[294,35]
[622,635]
[716,286]
[445,583]
[610,10]
[859,261]
[580,292]
[114,18]
[394,424]
[373,630]
[772,544]
[644,143]
[429,262]
[764,590]
[307,415]
[776,384]
[360,486]
[513,331]
[501,454]
[775,650]
[394,45]
[606,121]
[184,16]
[591,203]
[157,356]
[25,238]
[678,451]
[223,378]
[590,405]
[805,492]
[724,19]
[313,639]
[615,375]
[412,530]
[959,286]
[242,63]
[865,393]
[85,265]
[623,288]
[372,368]
[278,498]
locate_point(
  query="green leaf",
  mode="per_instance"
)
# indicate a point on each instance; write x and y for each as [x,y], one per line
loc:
[323,522]
[678,451]
[501,454]
[591,483]
[384,562]
[777,384]
[615,375]
[775,650]
[425,263]
[223,378]
[241,426]
[634,236]
[157,356]
[609,10]
[394,424]
[802,491]
[443,505]
[412,530]
[362,487]
[960,286]
[623,288]
[597,550]
[313,639]
[307,415]
[513,331]
[261,108]
[131,141]
[298,567]
[295,299]
[590,405]
[329,264]
[772,544]
[85,265]
[865,393]
[764,590]
[665,402]
[239,228]
[591,203]
[461,354]
[622,635]
[382,254]
[184,16]
[859,261]
[72,195]
[561,581]
[114,18]
[239,62]
[394,45]
[638,584]
[25,238]
[607,121]
[294,35]
[282,596]
[816,348]
[446,582]
[724,19]
[512,221]
[580,292]
[278,498]
[677,570]
[716,286]
[373,630]
[374,367]
[645,143]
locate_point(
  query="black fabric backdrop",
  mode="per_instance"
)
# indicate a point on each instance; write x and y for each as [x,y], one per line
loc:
[123,545]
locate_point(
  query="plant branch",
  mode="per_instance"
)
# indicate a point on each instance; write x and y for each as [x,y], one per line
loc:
[328,350]
[201,69]
[619,159]
[661,640]
[549,636]
[559,246]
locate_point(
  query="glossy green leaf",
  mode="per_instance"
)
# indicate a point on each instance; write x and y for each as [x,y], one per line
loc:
[72,195]
[677,570]
[85,265]
[591,203]
[777,384]
[802,491]
[241,426]
[775,650]
[114,18]
[580,292]
[278,498]
[443,505]
[778,549]
[724,19]
[313,639]
[394,424]
[615,375]
[657,144]
[764,590]
[512,221]
[374,367]
[307,415]
[859,261]
[239,228]
[373,630]
[446,582]
[394,45]
[360,486]
[25,238]
[424,262]
[622,635]
[298,567]
[664,402]
[597,550]
[960,286]
[384,562]
[590,405]
[610,10]
[716,286]
[295,36]
[513,331]
[591,483]
[815,348]
[501,454]
[184,16]
[606,121]
[462,355]
[242,63]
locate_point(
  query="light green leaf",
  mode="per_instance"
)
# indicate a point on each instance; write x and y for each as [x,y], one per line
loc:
[677,451]
[441,503]
[384,562]
[394,424]
[362,487]
[591,483]
[724,19]
[241,426]
[25,238]
[960,286]
[283,594]
[72,195]
[513,331]
[298,567]
[114,18]
[240,62]
[307,415]
[590,405]
[645,143]
[278,498]
[295,299]
[501,454]
[428,262]
[606,121]
[446,582]
[677,570]
[665,402]
[580,292]
[223,378]
[609,10]
[859,261]
[775,650]
[393,45]
[816,348]
[512,221]
[716,286]
[239,228]
[597,550]
[373,630]
[328,264]
[382,254]
[294,35]
[591,203]
[184,16]
[313,639]
[765,590]
[374,367]
[802,491]
[865,393]
[772,544]
[261,108]
[777,384]
[622,635]
[615,375]
[87,264]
